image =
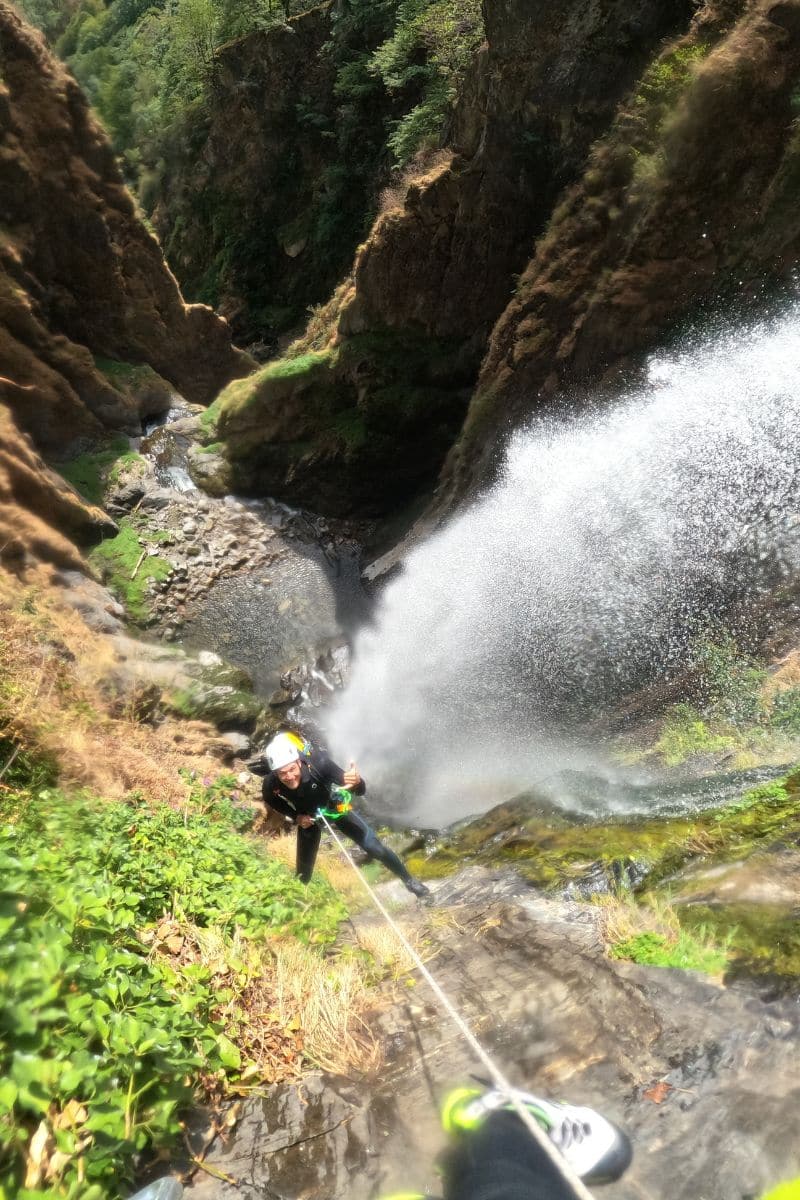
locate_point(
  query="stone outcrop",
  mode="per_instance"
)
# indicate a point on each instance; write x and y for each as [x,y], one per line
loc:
[544,87]
[686,202]
[41,516]
[365,426]
[701,1076]
[81,278]
[634,163]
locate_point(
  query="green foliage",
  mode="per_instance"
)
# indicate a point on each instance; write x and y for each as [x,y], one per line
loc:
[689,950]
[89,471]
[661,87]
[785,711]
[100,1039]
[732,681]
[117,559]
[433,44]
[685,733]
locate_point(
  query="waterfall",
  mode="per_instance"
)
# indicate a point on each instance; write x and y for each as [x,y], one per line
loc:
[609,541]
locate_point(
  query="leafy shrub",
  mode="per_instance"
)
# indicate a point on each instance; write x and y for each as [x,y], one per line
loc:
[101,1040]
[732,681]
[686,733]
[785,711]
[432,46]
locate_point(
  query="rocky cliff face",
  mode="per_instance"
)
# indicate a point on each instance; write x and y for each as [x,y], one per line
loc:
[686,202]
[81,278]
[635,162]
[261,213]
[40,515]
[403,339]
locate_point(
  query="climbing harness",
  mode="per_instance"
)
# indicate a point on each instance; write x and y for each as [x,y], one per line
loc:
[342,803]
[559,1163]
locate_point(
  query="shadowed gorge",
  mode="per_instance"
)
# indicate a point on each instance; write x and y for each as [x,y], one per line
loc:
[496,511]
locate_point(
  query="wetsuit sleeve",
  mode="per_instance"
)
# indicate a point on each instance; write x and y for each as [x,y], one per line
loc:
[275,802]
[331,772]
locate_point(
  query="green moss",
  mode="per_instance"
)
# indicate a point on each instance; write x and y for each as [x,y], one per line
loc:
[221,704]
[117,558]
[764,939]
[124,375]
[351,428]
[551,852]
[89,471]
[243,393]
[211,448]
[661,87]
[210,416]
[685,734]
[690,951]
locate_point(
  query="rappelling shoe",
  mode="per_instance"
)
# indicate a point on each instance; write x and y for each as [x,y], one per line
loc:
[597,1151]
[418,888]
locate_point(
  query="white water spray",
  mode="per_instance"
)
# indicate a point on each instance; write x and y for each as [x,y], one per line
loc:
[609,541]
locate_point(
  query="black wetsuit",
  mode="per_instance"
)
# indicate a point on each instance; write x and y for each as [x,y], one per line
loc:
[319,773]
[501,1161]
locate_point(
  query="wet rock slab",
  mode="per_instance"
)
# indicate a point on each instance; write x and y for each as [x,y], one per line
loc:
[702,1076]
[312,1140]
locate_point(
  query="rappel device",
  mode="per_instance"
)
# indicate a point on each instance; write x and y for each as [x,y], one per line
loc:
[342,802]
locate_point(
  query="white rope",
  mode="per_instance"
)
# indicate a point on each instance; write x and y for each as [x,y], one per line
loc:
[558,1161]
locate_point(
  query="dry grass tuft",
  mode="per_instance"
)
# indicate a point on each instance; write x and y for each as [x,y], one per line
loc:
[62,693]
[623,918]
[388,952]
[329,1002]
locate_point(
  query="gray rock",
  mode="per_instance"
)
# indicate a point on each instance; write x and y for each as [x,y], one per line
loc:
[531,978]
[238,742]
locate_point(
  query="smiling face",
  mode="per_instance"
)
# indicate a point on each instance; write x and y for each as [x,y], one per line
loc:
[290,775]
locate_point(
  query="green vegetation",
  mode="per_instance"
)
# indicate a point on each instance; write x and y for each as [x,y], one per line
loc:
[553,853]
[690,951]
[220,704]
[118,560]
[685,733]
[387,77]
[737,711]
[89,471]
[763,938]
[110,1013]
[429,52]
[660,89]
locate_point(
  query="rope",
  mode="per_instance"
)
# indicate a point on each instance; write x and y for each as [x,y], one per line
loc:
[558,1161]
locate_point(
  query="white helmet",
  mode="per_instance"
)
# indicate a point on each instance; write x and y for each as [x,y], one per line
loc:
[280,752]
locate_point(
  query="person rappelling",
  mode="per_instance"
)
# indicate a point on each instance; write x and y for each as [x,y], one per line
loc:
[305,784]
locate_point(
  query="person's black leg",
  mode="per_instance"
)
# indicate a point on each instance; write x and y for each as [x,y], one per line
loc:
[357,829]
[501,1161]
[307,847]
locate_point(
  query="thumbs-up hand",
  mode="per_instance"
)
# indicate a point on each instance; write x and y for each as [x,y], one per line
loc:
[351,776]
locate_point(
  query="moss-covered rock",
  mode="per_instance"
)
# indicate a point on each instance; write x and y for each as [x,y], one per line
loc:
[222,704]
[355,428]
[562,855]
[130,563]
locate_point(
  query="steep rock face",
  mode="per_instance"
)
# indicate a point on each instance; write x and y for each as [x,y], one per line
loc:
[80,276]
[41,516]
[544,87]
[235,218]
[363,426]
[700,1076]
[688,199]
[262,212]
